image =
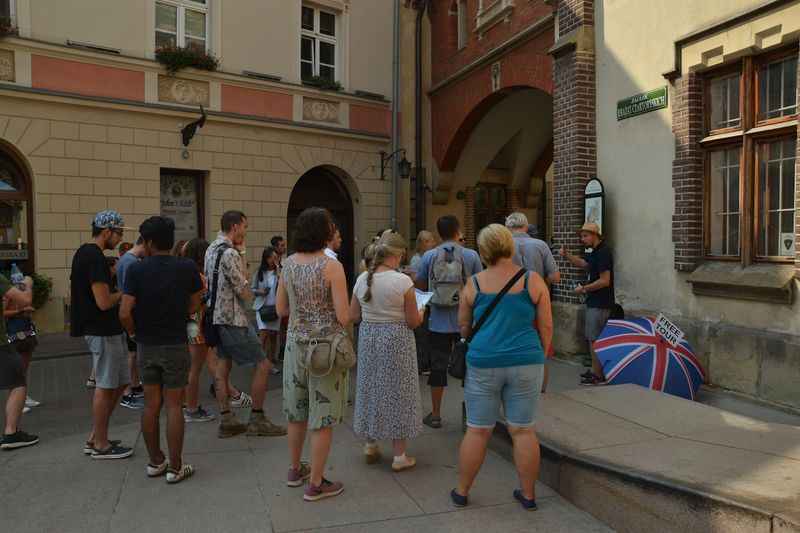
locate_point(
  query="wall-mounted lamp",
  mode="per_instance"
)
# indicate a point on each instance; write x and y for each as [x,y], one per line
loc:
[404,166]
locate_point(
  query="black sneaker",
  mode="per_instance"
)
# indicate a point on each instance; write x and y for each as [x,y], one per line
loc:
[132,402]
[592,380]
[112,452]
[587,374]
[137,392]
[20,439]
[432,421]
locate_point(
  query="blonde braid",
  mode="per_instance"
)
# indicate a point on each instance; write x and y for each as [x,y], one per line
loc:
[377,261]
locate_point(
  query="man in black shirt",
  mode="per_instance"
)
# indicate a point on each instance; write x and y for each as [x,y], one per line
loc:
[599,292]
[161,291]
[94,316]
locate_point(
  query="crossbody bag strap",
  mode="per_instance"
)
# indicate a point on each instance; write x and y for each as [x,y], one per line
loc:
[215,280]
[494,303]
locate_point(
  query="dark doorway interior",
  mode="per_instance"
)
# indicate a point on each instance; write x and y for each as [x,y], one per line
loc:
[320,187]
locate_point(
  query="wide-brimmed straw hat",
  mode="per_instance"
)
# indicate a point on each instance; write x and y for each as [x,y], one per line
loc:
[591,227]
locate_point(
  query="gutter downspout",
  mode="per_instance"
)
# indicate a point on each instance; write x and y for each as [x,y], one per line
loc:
[419,172]
[395,114]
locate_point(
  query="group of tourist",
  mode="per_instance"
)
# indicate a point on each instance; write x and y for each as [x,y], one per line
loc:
[171,309]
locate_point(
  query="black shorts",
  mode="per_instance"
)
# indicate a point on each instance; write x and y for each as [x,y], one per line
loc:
[166,365]
[26,345]
[11,372]
[441,347]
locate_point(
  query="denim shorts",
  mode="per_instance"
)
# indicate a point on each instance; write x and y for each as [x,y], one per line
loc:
[241,345]
[516,388]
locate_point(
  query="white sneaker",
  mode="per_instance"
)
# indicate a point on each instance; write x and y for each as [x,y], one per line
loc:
[176,476]
[157,470]
[403,463]
[30,402]
[26,409]
[243,401]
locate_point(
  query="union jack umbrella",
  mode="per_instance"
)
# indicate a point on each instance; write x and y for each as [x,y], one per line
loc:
[632,352]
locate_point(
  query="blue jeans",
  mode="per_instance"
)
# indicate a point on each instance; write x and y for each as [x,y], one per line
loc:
[517,388]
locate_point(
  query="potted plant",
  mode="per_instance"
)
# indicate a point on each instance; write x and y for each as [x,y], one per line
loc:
[7,28]
[175,58]
[322,83]
[42,287]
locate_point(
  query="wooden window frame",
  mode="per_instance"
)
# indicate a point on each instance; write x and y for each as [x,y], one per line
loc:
[760,62]
[748,141]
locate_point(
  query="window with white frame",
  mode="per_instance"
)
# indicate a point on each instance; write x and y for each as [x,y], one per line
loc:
[182,23]
[7,14]
[462,24]
[318,46]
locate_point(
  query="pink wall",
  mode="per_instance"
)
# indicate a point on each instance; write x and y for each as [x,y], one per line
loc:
[87,79]
[371,119]
[255,102]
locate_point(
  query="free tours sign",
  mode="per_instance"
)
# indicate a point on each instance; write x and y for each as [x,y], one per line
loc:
[668,331]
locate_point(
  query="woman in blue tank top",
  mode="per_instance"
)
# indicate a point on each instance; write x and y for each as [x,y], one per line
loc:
[505,362]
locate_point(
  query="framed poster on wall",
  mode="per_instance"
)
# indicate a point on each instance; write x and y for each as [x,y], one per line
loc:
[182,197]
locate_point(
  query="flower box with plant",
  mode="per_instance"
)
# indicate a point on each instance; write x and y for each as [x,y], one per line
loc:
[7,28]
[175,58]
[322,83]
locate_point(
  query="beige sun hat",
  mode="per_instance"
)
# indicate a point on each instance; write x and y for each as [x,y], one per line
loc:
[591,227]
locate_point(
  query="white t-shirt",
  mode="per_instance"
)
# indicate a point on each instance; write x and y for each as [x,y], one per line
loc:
[388,296]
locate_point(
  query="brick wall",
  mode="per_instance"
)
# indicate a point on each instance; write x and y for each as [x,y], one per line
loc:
[574,140]
[687,172]
[470,236]
[447,59]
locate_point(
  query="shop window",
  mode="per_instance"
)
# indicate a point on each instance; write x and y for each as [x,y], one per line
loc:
[182,23]
[318,44]
[749,199]
[16,220]
[182,200]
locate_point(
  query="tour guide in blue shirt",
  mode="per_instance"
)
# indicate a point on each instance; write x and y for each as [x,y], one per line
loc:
[444,271]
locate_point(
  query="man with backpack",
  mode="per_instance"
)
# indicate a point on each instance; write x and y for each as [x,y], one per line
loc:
[444,271]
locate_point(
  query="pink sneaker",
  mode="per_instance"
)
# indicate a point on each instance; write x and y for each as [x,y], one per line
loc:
[298,475]
[326,489]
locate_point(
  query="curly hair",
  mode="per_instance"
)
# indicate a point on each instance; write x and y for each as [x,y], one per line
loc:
[313,230]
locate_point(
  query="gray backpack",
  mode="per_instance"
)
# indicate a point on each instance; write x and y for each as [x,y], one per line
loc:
[447,276]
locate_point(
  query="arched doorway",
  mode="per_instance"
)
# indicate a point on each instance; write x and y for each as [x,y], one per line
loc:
[16,214]
[322,187]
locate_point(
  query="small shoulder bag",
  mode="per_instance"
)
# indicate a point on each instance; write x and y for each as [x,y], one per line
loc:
[458,359]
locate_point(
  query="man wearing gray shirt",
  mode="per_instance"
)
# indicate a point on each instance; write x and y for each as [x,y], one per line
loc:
[532,254]
[535,255]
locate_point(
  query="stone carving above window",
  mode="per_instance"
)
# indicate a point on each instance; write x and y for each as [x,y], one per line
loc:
[491,12]
[320,110]
[183,91]
[7,65]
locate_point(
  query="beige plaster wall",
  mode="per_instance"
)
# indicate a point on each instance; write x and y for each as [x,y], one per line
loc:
[369,47]
[120,24]
[634,48]
[84,159]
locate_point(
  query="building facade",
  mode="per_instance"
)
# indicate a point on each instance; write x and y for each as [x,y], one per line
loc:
[685,111]
[297,114]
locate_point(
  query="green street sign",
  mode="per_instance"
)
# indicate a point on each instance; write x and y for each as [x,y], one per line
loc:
[642,103]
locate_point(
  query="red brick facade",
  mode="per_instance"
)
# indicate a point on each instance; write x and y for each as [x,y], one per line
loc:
[457,107]
[574,138]
[687,172]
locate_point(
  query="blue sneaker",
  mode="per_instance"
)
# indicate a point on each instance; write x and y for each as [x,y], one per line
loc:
[528,505]
[458,499]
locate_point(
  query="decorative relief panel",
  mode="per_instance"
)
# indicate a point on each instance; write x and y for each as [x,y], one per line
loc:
[321,110]
[182,91]
[7,65]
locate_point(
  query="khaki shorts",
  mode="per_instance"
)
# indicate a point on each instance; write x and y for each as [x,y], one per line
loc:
[319,401]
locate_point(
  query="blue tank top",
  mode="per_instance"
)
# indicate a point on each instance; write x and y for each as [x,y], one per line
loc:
[507,338]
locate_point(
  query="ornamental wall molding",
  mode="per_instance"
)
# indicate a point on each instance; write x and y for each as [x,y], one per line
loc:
[183,91]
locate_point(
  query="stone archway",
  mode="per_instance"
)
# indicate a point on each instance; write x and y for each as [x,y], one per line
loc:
[325,186]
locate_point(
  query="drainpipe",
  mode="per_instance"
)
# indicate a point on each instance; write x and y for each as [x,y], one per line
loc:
[395,114]
[419,171]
